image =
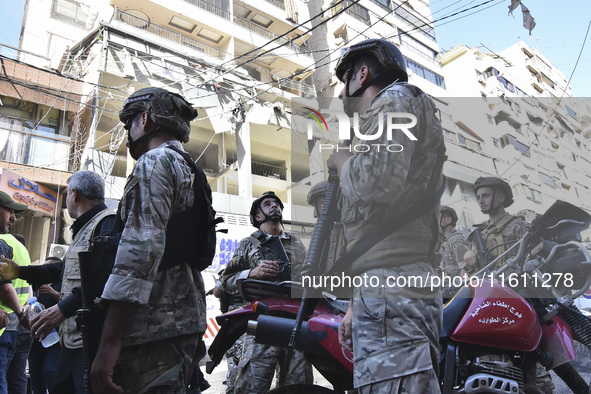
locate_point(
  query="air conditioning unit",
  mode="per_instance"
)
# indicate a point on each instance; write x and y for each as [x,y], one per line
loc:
[58,250]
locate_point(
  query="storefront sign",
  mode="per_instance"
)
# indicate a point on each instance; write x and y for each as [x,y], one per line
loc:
[37,197]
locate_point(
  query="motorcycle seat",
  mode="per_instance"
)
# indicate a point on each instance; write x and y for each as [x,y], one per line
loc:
[454,310]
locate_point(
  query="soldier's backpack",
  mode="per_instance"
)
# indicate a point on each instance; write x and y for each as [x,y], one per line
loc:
[191,234]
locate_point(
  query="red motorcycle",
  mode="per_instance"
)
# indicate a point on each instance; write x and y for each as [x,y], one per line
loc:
[495,330]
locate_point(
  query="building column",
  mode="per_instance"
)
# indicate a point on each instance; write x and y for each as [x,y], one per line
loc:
[244,159]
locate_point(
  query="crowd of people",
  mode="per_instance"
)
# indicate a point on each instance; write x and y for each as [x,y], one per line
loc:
[151,339]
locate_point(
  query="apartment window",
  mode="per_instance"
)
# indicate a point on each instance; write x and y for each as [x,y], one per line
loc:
[571,112]
[69,11]
[548,180]
[450,135]
[425,73]
[383,3]
[26,142]
[474,145]
[528,192]
[508,139]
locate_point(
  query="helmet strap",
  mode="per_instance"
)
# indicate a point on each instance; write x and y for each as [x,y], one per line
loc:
[382,76]
[278,218]
[133,144]
[492,202]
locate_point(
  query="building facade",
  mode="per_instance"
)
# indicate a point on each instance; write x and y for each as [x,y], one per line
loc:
[243,65]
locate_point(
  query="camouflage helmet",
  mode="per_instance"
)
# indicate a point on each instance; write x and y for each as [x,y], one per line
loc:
[384,51]
[497,184]
[317,191]
[451,212]
[257,203]
[166,109]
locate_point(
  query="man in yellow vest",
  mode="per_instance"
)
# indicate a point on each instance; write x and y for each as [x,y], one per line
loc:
[13,294]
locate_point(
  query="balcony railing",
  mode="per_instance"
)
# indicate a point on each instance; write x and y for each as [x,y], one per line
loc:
[421,25]
[207,6]
[257,71]
[170,35]
[299,49]
[268,170]
[300,87]
[356,11]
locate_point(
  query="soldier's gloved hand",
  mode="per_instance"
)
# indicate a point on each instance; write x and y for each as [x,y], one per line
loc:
[267,269]
[470,258]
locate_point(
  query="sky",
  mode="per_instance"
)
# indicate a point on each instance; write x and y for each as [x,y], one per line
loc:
[559,33]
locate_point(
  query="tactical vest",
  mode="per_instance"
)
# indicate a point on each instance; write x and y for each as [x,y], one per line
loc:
[70,335]
[493,236]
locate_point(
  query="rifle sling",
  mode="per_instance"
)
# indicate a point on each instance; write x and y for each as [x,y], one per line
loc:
[384,230]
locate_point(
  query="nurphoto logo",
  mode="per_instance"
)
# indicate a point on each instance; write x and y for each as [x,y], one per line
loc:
[394,122]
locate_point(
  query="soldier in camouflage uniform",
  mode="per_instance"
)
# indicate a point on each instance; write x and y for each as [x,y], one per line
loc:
[156,317]
[499,233]
[393,331]
[502,229]
[453,248]
[252,259]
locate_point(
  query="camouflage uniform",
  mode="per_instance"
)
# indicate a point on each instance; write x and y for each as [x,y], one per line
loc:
[395,329]
[452,258]
[507,228]
[257,363]
[171,302]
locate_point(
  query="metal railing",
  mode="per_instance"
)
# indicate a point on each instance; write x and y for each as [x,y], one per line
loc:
[266,76]
[209,7]
[268,170]
[356,11]
[299,49]
[170,35]
[419,24]
[300,87]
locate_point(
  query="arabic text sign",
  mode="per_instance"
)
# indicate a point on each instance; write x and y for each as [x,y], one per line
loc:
[37,197]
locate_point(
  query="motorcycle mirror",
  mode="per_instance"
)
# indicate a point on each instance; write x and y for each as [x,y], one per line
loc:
[585,267]
[576,219]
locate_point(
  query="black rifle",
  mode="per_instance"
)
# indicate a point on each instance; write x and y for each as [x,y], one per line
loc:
[274,245]
[95,267]
[476,237]
[318,250]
